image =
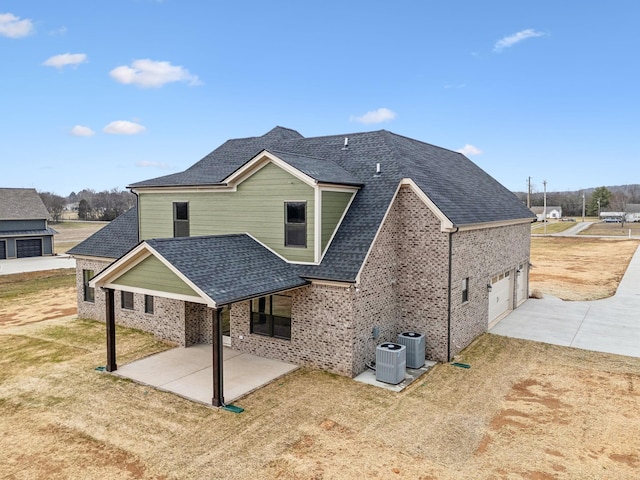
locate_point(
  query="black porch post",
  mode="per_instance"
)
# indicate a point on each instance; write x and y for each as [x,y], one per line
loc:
[216,339]
[111,330]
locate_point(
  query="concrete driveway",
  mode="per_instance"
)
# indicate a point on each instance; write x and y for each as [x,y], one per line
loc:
[33,264]
[610,325]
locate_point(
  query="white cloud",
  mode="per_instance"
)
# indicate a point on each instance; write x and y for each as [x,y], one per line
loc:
[123,127]
[82,131]
[469,150]
[516,38]
[150,164]
[60,31]
[375,116]
[149,73]
[12,27]
[64,59]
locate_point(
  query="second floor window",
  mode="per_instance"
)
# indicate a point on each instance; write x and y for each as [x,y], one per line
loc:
[180,219]
[295,224]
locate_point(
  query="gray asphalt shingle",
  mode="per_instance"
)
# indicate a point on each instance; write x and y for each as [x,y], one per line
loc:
[228,268]
[459,188]
[21,204]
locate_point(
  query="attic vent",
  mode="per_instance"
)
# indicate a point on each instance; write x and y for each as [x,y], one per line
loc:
[346,143]
[378,170]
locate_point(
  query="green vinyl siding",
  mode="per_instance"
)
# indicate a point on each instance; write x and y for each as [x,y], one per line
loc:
[152,274]
[333,206]
[257,208]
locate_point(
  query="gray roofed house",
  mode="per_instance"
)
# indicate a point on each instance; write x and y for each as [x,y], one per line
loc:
[316,243]
[24,229]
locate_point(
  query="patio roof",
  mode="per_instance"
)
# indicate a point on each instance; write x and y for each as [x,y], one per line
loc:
[219,269]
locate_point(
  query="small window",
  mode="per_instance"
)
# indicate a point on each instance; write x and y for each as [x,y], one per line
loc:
[295,224]
[89,292]
[126,300]
[148,304]
[271,316]
[180,219]
[465,290]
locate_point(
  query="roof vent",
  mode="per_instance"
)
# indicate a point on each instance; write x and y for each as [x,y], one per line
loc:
[346,143]
[378,170]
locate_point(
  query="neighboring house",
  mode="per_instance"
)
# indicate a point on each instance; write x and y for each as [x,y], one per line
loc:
[632,212]
[312,251]
[552,212]
[24,230]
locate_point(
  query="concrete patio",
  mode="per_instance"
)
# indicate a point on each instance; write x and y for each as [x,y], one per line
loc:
[188,372]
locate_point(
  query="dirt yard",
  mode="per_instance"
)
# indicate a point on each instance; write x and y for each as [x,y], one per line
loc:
[523,410]
[582,268]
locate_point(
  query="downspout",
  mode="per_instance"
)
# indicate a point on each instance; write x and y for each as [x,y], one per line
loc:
[449,294]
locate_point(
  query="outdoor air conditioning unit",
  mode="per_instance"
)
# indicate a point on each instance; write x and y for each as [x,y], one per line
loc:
[391,362]
[416,348]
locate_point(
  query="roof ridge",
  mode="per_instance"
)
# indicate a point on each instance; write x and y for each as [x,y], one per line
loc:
[415,140]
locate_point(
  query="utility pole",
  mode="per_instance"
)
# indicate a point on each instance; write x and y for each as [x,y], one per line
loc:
[544,211]
[529,193]
[583,208]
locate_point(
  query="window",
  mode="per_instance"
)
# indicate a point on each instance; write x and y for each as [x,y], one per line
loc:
[126,300]
[295,224]
[180,219]
[465,290]
[89,292]
[271,316]
[148,304]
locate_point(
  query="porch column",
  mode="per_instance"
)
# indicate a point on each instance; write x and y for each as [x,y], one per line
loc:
[111,330]
[216,340]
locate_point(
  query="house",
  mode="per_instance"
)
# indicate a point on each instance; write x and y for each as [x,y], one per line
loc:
[24,230]
[632,212]
[312,251]
[552,212]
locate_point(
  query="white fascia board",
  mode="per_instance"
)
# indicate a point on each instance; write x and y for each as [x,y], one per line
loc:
[159,293]
[217,187]
[332,283]
[141,252]
[317,225]
[499,223]
[334,187]
[93,258]
[446,225]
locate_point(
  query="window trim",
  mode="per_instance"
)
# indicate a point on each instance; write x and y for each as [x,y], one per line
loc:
[180,222]
[288,224]
[268,316]
[123,303]
[86,276]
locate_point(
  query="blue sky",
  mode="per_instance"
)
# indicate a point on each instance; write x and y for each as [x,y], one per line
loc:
[100,94]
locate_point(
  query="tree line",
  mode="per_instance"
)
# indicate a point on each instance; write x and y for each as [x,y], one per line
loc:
[595,200]
[89,204]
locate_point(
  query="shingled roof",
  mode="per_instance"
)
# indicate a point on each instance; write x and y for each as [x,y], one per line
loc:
[228,268]
[21,204]
[462,191]
[113,240]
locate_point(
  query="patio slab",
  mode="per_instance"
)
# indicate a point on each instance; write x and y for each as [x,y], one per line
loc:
[188,372]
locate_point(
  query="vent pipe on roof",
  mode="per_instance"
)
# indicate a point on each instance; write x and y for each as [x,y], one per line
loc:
[378,170]
[346,143]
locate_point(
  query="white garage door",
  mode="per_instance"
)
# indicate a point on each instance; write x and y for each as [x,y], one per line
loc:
[500,296]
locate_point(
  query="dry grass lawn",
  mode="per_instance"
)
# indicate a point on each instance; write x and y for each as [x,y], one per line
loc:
[524,410]
[580,268]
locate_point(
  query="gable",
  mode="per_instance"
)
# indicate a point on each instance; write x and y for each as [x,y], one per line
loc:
[151,274]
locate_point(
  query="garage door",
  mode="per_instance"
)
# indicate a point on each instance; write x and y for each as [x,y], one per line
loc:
[500,296]
[29,248]
[3,250]
[521,288]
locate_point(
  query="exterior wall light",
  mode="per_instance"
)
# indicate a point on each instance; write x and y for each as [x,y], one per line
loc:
[489,287]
